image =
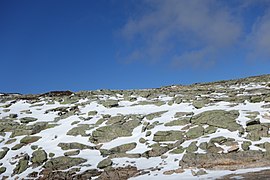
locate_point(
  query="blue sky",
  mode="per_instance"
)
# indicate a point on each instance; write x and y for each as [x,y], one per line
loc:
[118,44]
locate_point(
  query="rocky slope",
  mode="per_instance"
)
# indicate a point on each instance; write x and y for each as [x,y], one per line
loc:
[208,130]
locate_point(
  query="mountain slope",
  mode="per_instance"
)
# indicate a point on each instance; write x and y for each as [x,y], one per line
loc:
[171,132]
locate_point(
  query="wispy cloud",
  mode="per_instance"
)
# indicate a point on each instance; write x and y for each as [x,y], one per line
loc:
[192,33]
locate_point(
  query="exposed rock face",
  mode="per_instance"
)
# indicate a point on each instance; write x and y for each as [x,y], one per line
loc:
[218,118]
[234,160]
[168,136]
[39,157]
[63,162]
[108,133]
[104,163]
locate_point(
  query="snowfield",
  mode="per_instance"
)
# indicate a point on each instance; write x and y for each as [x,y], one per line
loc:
[151,130]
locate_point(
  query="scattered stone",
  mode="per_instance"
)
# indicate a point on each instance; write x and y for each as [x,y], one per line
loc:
[13,116]
[198,104]
[2,170]
[29,139]
[192,147]
[179,122]
[104,163]
[253,122]
[3,152]
[218,118]
[233,148]
[108,133]
[10,141]
[245,145]
[27,120]
[63,162]
[110,103]
[161,136]
[92,113]
[22,165]
[39,157]
[195,132]
[169,172]
[17,146]
[155,115]
[74,145]
[72,153]
[79,130]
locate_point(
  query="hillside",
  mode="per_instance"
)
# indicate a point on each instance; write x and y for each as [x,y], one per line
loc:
[213,130]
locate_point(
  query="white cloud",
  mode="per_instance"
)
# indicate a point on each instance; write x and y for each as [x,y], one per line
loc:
[259,41]
[192,32]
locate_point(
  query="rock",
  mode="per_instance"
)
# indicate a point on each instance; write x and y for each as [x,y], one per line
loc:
[110,103]
[142,140]
[179,122]
[198,104]
[253,122]
[92,113]
[29,139]
[182,114]
[116,119]
[198,173]
[108,133]
[63,162]
[17,146]
[155,151]
[210,130]
[212,148]
[72,153]
[233,148]
[218,118]
[2,170]
[178,150]
[148,133]
[51,154]
[155,115]
[22,165]
[255,99]
[245,145]
[122,173]
[34,147]
[10,141]
[169,172]
[243,159]
[39,157]
[192,147]
[3,152]
[195,132]
[13,116]
[220,140]
[267,99]
[179,170]
[123,148]
[79,130]
[161,136]
[74,145]
[27,119]
[104,163]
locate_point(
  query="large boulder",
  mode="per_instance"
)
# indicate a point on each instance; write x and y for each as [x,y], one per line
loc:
[110,132]
[161,136]
[218,118]
[3,152]
[74,145]
[39,157]
[104,163]
[195,132]
[63,162]
[233,160]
